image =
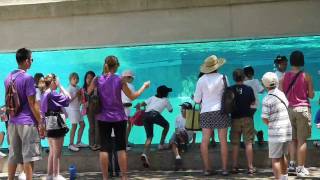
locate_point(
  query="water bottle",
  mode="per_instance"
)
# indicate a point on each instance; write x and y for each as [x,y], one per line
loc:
[73,172]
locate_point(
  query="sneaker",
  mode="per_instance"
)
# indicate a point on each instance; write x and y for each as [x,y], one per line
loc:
[72,147]
[292,167]
[305,171]
[163,146]
[145,161]
[2,155]
[22,176]
[300,172]
[59,177]
[48,177]
[81,145]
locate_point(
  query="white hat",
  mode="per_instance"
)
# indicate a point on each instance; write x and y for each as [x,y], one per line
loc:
[211,64]
[270,79]
[128,73]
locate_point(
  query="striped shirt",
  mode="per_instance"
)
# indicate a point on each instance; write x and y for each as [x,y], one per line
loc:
[279,128]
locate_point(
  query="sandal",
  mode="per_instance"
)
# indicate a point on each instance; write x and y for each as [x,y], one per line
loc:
[94,147]
[145,161]
[235,170]
[252,171]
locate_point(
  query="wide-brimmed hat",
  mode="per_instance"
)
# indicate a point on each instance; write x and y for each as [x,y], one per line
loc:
[211,64]
[270,79]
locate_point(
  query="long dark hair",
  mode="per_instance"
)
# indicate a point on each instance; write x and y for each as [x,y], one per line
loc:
[85,85]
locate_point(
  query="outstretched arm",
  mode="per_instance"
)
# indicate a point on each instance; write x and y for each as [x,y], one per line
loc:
[133,95]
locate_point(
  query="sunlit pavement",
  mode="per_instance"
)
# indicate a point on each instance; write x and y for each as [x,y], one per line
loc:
[261,174]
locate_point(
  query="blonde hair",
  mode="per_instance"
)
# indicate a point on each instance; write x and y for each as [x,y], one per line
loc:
[45,82]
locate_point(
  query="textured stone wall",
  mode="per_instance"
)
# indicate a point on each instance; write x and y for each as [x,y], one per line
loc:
[91,23]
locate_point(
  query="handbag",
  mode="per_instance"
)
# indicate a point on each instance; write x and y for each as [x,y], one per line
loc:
[95,103]
[56,121]
[193,118]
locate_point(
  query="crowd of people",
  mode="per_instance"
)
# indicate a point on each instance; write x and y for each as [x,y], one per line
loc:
[35,109]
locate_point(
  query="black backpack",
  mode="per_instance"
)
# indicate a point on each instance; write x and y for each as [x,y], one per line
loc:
[228,103]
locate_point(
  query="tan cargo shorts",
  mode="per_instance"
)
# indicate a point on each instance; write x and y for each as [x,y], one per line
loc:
[300,118]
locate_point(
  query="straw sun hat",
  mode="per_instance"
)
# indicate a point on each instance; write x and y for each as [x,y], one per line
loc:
[211,64]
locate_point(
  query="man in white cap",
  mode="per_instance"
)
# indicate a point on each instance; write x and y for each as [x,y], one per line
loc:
[127,77]
[275,115]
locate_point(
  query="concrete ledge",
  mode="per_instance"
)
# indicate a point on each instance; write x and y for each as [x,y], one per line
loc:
[88,161]
[52,9]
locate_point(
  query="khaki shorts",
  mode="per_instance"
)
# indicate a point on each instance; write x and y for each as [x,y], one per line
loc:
[242,126]
[24,144]
[300,118]
[278,150]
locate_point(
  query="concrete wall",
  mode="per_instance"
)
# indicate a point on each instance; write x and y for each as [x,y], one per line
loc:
[80,23]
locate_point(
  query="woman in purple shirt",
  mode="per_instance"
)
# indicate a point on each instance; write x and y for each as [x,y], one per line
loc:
[52,103]
[112,115]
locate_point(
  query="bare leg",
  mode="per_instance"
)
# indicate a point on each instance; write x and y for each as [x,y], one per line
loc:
[72,133]
[122,159]
[276,167]
[50,158]
[104,162]
[80,131]
[11,171]
[206,133]
[235,152]
[292,150]
[284,165]
[28,170]
[224,147]
[57,143]
[249,153]
[302,152]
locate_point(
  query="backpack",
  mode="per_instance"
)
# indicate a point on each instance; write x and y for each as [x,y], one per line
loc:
[228,103]
[12,101]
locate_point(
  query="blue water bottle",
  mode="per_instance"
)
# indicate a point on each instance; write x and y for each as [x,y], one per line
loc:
[73,172]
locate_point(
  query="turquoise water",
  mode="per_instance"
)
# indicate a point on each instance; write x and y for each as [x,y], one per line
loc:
[176,65]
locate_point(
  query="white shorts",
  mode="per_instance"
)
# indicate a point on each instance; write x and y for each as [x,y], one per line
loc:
[277,150]
[74,116]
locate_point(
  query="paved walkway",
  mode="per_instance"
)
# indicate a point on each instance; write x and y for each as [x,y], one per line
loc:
[263,174]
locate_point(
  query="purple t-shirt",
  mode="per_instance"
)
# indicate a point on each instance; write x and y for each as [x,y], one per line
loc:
[52,100]
[25,88]
[109,89]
